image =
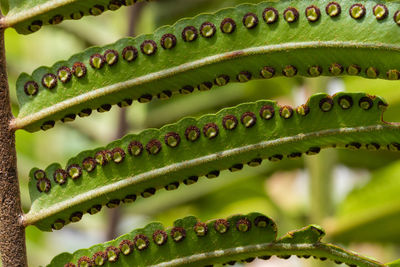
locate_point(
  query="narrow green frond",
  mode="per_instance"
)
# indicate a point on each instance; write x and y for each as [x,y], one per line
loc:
[194,243]
[139,164]
[28,16]
[260,41]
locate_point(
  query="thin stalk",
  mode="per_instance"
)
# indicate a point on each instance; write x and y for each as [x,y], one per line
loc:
[12,232]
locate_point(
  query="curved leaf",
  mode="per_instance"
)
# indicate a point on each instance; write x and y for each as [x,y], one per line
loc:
[163,63]
[394,264]
[28,16]
[140,164]
[188,244]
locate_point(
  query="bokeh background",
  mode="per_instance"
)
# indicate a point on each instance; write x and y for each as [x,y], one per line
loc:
[354,195]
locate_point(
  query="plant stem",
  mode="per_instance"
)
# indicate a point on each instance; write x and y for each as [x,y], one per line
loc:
[12,232]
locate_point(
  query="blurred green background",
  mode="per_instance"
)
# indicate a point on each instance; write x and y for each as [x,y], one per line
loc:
[354,195]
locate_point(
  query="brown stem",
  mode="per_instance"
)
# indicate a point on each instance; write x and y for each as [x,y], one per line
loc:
[12,233]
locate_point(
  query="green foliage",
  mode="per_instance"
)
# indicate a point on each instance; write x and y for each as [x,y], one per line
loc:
[320,45]
[194,243]
[28,16]
[141,164]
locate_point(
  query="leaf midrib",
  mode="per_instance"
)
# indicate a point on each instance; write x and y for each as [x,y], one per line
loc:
[19,123]
[33,217]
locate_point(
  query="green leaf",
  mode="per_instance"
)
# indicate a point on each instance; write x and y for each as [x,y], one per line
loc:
[330,46]
[394,264]
[238,238]
[191,148]
[373,206]
[28,16]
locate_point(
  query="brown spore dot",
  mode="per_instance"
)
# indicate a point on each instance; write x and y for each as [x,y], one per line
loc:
[294,155]
[94,209]
[229,122]
[113,203]
[353,145]
[74,171]
[275,158]
[270,15]
[114,5]
[267,112]
[267,72]
[254,162]
[164,95]
[250,20]
[365,103]
[168,41]
[31,88]
[58,225]
[205,86]
[64,74]
[353,69]
[286,112]
[371,72]
[345,102]
[222,80]
[336,69]
[285,257]
[357,11]
[228,25]
[248,119]
[172,139]
[212,174]
[146,98]
[148,192]
[104,108]
[49,80]
[313,13]
[126,247]
[326,104]
[289,71]
[76,216]
[262,221]
[96,10]
[141,242]
[153,147]
[118,155]
[39,174]
[248,260]
[192,133]
[189,34]
[187,89]
[200,229]
[57,19]
[125,103]
[101,157]
[129,53]
[60,176]
[85,112]
[96,61]
[243,225]
[76,15]
[178,234]
[160,237]
[79,69]
[333,9]
[47,125]
[35,26]
[207,29]
[148,47]
[112,253]
[243,76]
[172,186]
[68,118]
[191,180]
[135,148]
[129,199]
[221,226]
[291,14]
[85,261]
[313,151]
[43,185]
[396,17]
[236,167]
[69,264]
[393,74]
[99,258]
[314,71]
[303,110]
[210,130]
[380,11]
[111,57]
[373,146]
